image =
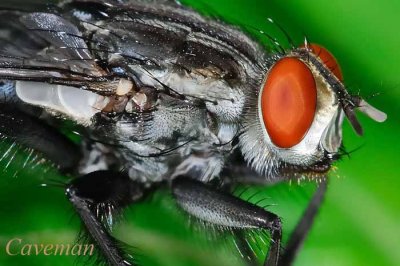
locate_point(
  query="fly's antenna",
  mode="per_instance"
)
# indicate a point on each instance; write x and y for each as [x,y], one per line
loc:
[356,102]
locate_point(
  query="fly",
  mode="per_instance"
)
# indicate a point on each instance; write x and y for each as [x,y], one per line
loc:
[164,97]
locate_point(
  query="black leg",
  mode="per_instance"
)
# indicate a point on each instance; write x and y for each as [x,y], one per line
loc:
[29,131]
[299,234]
[94,197]
[223,209]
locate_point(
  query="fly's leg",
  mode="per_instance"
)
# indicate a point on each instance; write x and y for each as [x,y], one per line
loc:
[103,188]
[30,132]
[299,234]
[85,193]
[223,209]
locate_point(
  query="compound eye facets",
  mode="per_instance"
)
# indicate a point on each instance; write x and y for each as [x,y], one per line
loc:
[288,102]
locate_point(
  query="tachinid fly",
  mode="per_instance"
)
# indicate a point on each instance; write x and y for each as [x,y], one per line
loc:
[162,96]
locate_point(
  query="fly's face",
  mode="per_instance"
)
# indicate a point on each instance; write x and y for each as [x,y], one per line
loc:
[296,127]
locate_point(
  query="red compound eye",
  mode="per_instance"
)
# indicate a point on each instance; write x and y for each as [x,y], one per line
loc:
[288,102]
[328,59]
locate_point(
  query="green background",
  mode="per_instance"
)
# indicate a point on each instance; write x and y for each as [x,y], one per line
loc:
[359,221]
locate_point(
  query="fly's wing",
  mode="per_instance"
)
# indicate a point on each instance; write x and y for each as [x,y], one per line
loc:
[62,46]
[44,58]
[44,47]
[93,46]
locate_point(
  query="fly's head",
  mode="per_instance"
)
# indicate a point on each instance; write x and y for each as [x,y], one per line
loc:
[295,129]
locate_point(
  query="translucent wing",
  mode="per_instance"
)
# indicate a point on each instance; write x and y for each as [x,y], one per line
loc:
[44,47]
